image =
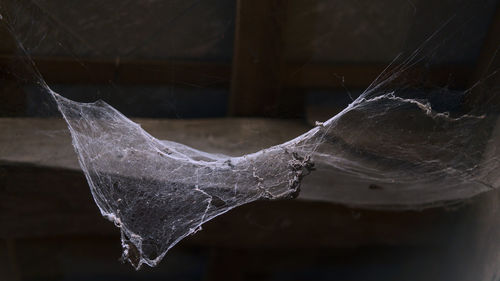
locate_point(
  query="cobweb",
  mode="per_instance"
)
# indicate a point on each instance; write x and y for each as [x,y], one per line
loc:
[158,191]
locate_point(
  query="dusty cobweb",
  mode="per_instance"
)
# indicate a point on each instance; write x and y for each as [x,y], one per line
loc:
[158,191]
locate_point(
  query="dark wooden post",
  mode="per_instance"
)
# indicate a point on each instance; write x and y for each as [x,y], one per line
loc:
[258,62]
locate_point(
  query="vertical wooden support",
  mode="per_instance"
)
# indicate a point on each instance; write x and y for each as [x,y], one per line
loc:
[258,62]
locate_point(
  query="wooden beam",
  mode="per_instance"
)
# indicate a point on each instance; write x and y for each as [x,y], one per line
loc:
[256,85]
[359,76]
[57,70]
[97,71]
[38,151]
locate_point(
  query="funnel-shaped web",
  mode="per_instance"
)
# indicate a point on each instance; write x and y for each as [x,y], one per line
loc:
[158,192]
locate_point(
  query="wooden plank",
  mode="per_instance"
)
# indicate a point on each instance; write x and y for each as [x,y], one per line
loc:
[256,84]
[98,71]
[218,74]
[46,143]
[40,169]
[359,76]
[22,138]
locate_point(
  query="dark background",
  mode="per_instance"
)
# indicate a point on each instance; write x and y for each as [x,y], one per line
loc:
[219,60]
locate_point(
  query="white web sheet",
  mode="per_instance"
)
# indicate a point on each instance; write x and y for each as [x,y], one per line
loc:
[158,192]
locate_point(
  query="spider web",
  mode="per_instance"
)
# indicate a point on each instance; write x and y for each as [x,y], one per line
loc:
[158,192]
[390,137]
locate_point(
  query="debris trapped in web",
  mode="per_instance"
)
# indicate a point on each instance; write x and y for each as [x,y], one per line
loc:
[392,147]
